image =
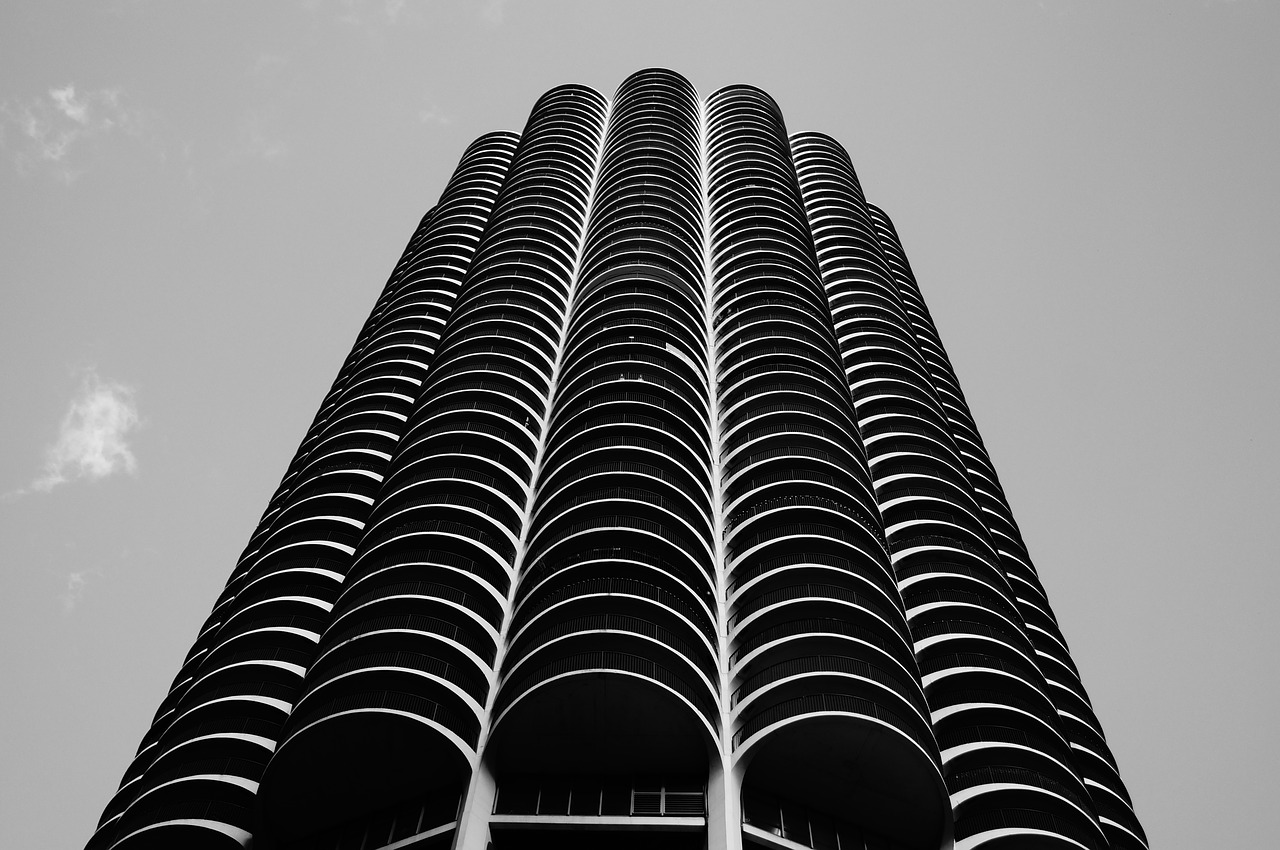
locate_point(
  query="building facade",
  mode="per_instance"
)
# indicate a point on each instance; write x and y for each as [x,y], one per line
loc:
[645,511]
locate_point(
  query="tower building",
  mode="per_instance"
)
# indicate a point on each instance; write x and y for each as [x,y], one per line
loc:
[646,511]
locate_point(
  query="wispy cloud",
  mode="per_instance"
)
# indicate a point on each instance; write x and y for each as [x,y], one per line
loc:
[431,115]
[92,441]
[360,12]
[77,110]
[76,583]
[267,63]
[493,12]
[257,139]
[45,129]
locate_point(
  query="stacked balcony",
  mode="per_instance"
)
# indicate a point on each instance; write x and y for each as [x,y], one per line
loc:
[194,779]
[1090,755]
[821,657]
[647,482]
[403,673]
[1008,766]
[612,655]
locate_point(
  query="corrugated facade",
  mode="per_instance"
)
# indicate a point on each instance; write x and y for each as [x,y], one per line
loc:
[646,510]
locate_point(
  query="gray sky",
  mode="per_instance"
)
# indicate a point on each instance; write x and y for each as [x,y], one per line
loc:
[199,203]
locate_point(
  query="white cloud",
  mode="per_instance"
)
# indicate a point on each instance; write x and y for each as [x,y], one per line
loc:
[76,583]
[65,101]
[50,126]
[92,440]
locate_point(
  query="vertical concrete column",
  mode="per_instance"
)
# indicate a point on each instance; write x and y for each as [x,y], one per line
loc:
[478,801]
[818,639]
[610,669]
[724,780]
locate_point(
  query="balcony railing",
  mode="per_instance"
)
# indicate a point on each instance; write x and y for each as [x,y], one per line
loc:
[973,823]
[835,703]
[599,797]
[908,690]
[466,726]
[619,661]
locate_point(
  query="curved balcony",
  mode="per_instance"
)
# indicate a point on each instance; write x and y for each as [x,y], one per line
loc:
[941,570]
[659,503]
[1117,819]
[992,643]
[673,597]
[275,600]
[1085,738]
[791,294]
[986,790]
[534,305]
[787,532]
[493,574]
[231,768]
[808,673]
[468,537]
[783,405]
[779,482]
[460,481]
[271,679]
[817,633]
[413,626]
[1016,828]
[492,435]
[428,818]
[970,627]
[609,562]
[591,711]
[635,629]
[624,427]
[902,478]
[598,531]
[202,771]
[449,678]
[200,824]
[576,483]
[660,375]
[774,612]
[425,591]
[382,594]
[846,754]
[247,712]
[295,555]
[433,568]
[758,348]
[1009,775]
[959,678]
[496,523]
[823,556]
[792,450]
[670,251]
[353,751]
[602,338]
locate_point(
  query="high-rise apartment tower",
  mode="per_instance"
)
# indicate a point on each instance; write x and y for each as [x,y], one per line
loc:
[645,511]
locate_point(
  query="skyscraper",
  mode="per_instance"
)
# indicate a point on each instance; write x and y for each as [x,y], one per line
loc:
[646,509]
